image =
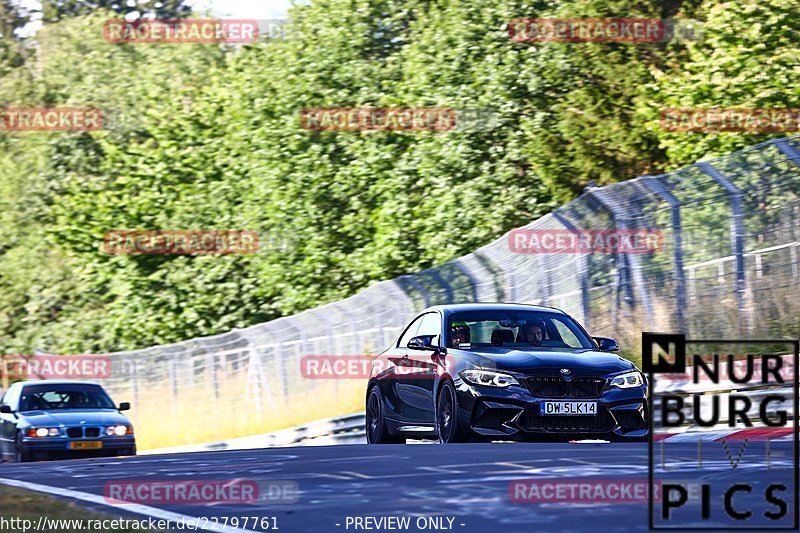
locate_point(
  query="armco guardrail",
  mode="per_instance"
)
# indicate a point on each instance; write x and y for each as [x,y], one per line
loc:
[346,429]
[727,267]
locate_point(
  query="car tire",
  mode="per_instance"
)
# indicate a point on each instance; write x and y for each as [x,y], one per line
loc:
[448,426]
[21,455]
[377,433]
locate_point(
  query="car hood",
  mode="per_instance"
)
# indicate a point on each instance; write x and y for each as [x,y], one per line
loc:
[549,362]
[75,417]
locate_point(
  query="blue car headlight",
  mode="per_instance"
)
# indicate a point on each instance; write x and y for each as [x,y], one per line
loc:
[488,378]
[44,432]
[119,430]
[628,380]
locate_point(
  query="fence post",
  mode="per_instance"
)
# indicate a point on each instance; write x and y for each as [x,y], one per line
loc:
[544,279]
[627,266]
[446,287]
[281,360]
[583,270]
[490,268]
[212,362]
[737,235]
[473,283]
[789,151]
[426,298]
[173,380]
[135,382]
[394,293]
[654,184]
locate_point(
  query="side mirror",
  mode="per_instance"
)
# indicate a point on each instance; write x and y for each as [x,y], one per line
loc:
[124,406]
[423,342]
[5,409]
[606,344]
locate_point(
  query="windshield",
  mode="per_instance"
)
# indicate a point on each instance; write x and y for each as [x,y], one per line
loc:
[48,397]
[517,329]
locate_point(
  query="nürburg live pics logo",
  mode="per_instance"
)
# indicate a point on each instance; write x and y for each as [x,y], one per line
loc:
[723,444]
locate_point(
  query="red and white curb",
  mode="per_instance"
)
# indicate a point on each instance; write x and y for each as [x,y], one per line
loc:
[752,434]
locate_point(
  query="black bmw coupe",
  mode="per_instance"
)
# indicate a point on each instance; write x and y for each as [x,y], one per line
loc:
[503,372]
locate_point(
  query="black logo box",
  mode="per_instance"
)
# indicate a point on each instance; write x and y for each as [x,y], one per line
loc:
[679,341]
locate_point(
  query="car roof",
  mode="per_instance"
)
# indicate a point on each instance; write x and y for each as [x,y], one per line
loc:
[483,306]
[57,382]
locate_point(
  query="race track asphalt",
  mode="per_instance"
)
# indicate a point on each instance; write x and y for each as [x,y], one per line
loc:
[464,487]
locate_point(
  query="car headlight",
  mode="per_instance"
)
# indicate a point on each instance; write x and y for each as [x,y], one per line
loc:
[488,378]
[628,380]
[119,430]
[44,432]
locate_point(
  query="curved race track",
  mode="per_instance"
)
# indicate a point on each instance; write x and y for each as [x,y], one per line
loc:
[464,487]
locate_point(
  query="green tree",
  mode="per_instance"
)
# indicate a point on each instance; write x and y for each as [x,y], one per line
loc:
[748,58]
[56,10]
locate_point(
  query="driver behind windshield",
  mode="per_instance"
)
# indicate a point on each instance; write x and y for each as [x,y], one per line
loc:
[532,333]
[459,334]
[77,399]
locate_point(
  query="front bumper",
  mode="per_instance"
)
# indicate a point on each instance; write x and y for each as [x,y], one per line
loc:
[513,414]
[59,446]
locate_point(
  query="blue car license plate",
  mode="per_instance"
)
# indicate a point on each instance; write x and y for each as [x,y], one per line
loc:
[568,408]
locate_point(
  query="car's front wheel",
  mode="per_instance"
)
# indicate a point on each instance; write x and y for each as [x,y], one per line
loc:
[376,424]
[447,422]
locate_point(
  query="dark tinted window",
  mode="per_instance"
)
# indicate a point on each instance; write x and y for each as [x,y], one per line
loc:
[66,396]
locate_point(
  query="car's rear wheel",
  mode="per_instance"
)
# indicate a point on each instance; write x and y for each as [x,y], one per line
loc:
[376,424]
[447,422]
[21,455]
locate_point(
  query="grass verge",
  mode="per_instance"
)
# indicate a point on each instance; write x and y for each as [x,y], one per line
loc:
[20,505]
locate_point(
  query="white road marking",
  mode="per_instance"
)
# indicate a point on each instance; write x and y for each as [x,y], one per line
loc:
[515,465]
[130,508]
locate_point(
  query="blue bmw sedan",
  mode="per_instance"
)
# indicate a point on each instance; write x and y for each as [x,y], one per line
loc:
[62,419]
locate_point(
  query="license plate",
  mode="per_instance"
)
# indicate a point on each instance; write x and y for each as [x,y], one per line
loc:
[85,445]
[568,408]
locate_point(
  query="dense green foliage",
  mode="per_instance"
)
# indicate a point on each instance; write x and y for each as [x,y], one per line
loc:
[56,10]
[208,137]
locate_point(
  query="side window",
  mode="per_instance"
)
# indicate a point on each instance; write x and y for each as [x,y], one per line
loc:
[566,334]
[431,324]
[410,332]
[11,397]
